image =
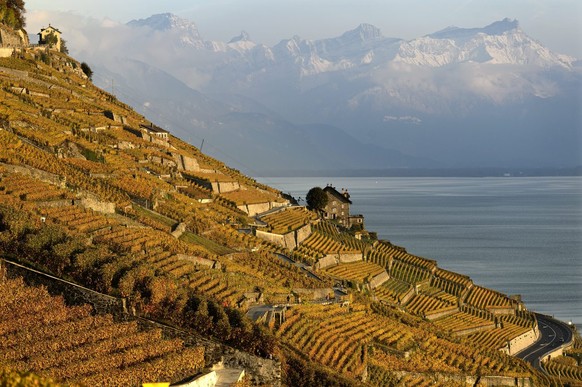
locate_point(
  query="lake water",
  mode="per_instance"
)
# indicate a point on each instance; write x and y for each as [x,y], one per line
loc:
[516,235]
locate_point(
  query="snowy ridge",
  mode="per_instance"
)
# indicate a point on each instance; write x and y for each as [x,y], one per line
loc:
[502,42]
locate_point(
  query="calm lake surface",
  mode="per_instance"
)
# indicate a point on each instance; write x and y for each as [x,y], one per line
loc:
[515,235]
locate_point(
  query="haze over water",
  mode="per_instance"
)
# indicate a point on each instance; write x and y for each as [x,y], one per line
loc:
[515,235]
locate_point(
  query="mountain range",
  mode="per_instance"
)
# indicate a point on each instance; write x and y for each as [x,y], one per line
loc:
[457,98]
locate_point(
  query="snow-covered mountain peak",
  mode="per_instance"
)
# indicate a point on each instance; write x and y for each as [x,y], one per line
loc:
[243,37]
[186,30]
[165,22]
[496,28]
[501,42]
[362,33]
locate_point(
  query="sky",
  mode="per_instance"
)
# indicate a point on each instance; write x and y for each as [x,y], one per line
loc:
[554,23]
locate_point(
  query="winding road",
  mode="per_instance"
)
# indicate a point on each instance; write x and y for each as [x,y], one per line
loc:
[553,334]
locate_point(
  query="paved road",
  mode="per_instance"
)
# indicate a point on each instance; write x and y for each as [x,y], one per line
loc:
[553,334]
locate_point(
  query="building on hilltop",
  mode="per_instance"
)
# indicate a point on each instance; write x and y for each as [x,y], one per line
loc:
[154,130]
[50,37]
[338,208]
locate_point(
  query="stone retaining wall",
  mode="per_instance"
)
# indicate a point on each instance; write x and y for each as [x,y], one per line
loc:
[379,279]
[469,331]
[522,341]
[440,313]
[289,240]
[349,257]
[303,233]
[200,261]
[325,262]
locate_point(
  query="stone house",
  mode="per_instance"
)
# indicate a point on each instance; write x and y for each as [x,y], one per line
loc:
[338,208]
[43,37]
[338,205]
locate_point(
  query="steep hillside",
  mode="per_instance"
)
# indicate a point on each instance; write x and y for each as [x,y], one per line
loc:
[92,192]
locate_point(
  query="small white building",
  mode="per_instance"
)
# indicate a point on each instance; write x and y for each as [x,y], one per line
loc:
[44,38]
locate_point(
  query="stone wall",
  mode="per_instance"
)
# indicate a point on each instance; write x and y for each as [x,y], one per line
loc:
[90,201]
[433,315]
[225,186]
[289,240]
[496,381]
[407,296]
[325,262]
[278,239]
[350,257]
[502,310]
[186,163]
[10,38]
[474,330]
[72,293]
[207,380]
[379,279]
[522,341]
[257,208]
[313,294]
[303,233]
[200,261]
[6,52]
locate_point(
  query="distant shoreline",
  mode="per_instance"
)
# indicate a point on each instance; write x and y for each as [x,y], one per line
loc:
[428,172]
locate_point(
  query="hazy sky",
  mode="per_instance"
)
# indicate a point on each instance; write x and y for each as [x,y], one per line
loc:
[555,23]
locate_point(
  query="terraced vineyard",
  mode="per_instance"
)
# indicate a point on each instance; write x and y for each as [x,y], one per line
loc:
[345,339]
[564,372]
[392,290]
[356,271]
[324,245]
[484,298]
[462,321]
[41,334]
[287,220]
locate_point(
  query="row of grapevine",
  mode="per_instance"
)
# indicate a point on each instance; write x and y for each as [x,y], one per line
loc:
[392,290]
[462,321]
[330,230]
[77,219]
[70,345]
[421,304]
[323,244]
[564,374]
[498,337]
[357,271]
[408,273]
[289,219]
[483,298]
[402,255]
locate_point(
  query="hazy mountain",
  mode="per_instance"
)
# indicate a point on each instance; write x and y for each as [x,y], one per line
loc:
[460,97]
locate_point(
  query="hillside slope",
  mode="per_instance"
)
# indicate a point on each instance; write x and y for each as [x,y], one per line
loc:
[93,192]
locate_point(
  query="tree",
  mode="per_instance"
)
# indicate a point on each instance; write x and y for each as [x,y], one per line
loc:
[64,48]
[51,39]
[316,198]
[12,13]
[87,70]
